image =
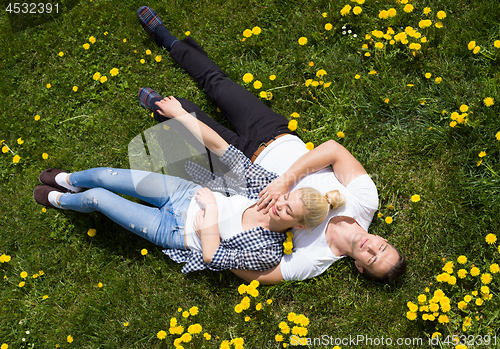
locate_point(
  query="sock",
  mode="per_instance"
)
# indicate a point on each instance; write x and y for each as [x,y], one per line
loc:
[61,180]
[164,38]
[53,199]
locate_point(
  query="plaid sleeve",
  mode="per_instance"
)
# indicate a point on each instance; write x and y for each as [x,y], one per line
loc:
[257,177]
[254,249]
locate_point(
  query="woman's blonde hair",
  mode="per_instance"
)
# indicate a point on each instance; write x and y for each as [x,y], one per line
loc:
[318,205]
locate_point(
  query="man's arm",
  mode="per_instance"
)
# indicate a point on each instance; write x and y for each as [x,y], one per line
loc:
[345,166]
[269,277]
[171,108]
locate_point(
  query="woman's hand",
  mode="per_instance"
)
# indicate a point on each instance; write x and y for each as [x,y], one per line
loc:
[170,108]
[205,196]
[199,218]
[270,194]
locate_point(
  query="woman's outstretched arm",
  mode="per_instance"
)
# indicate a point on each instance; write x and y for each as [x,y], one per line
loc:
[171,108]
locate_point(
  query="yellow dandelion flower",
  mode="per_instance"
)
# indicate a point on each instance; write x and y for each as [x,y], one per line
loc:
[247,78]
[247,33]
[86,46]
[388,220]
[494,268]
[45,156]
[257,84]
[142,61]
[475,271]
[144,252]
[488,101]
[462,273]
[340,134]
[61,54]
[373,72]
[367,54]
[256,30]
[92,40]
[272,77]
[320,73]
[161,334]
[427,10]
[309,145]
[496,44]
[96,76]
[491,239]
[439,25]
[441,15]
[383,14]
[124,40]
[345,10]
[379,45]
[187,33]
[391,12]
[302,41]
[324,14]
[462,259]
[411,315]
[75,88]
[103,79]
[471,45]
[357,76]
[415,198]
[16,159]
[48,85]
[357,10]
[292,125]
[476,50]
[328,26]
[438,80]
[482,154]
[114,72]
[185,314]
[408,8]
[91,232]
[158,58]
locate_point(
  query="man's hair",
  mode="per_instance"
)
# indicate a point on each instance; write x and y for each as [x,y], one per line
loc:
[392,274]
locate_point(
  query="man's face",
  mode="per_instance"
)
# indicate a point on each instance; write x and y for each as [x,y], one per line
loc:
[373,253]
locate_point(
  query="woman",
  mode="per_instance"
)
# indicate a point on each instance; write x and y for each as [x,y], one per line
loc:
[205,230]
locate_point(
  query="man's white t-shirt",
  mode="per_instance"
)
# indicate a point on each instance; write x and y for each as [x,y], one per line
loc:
[311,254]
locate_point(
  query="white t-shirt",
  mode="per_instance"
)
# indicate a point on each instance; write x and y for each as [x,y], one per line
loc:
[311,254]
[230,210]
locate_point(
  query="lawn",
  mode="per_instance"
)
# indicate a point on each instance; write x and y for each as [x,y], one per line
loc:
[411,91]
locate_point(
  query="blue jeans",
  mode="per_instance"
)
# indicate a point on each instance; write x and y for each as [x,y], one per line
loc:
[163,225]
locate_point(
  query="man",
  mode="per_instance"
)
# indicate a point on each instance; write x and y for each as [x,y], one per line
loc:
[263,136]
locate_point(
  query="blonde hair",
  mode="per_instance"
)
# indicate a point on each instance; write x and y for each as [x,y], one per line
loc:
[318,205]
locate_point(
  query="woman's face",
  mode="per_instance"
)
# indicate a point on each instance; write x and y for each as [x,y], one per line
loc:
[289,210]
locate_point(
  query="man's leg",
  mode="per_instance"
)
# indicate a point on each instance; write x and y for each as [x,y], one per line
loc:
[254,121]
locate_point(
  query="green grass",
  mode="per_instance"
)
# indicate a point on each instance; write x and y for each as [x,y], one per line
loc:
[408,147]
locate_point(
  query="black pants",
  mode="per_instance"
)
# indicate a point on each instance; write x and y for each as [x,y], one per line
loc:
[254,121]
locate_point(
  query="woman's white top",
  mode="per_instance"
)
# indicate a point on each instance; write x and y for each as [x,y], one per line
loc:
[311,254]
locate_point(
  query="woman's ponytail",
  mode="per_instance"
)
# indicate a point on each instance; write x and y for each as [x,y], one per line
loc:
[318,205]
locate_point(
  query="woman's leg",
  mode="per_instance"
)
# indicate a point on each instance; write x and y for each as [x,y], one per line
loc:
[148,222]
[157,189]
